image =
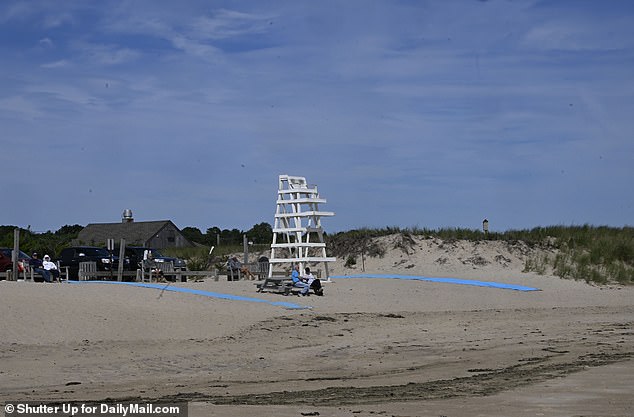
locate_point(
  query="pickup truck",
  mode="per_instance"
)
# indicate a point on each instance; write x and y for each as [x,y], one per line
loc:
[135,255]
[71,257]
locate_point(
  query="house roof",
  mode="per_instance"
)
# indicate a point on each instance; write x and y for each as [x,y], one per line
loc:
[134,233]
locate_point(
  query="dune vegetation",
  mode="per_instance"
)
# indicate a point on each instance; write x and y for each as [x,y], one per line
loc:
[597,254]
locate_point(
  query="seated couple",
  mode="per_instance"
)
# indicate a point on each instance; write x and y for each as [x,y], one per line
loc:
[45,268]
[306,282]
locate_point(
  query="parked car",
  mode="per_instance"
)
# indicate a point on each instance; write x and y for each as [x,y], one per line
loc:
[71,257]
[7,263]
[135,255]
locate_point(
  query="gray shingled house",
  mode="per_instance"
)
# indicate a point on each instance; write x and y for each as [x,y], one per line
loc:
[154,234]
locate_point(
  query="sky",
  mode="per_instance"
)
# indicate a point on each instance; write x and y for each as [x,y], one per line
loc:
[426,114]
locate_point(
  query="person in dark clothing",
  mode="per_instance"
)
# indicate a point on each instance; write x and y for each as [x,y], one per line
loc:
[233,269]
[38,267]
[314,283]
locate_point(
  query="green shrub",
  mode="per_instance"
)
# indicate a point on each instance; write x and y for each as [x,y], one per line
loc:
[538,264]
[197,263]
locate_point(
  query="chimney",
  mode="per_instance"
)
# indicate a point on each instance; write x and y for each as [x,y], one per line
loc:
[127,216]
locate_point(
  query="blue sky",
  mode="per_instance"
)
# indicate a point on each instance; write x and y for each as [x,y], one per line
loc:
[404,113]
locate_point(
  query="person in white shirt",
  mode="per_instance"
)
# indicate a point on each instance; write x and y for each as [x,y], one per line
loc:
[313,282]
[51,267]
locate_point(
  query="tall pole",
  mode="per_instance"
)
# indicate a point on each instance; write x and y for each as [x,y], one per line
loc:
[110,250]
[121,259]
[363,256]
[245,246]
[14,254]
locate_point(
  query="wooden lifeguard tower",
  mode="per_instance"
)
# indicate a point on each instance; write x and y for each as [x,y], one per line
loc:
[298,237]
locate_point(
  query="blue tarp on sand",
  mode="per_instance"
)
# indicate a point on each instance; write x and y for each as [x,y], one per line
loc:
[164,287]
[443,280]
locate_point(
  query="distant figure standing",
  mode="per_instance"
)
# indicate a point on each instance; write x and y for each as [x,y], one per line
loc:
[38,267]
[51,267]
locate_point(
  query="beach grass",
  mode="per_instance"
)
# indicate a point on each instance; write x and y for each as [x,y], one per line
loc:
[598,254]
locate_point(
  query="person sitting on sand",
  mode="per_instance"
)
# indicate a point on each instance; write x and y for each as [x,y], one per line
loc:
[313,282]
[298,282]
[51,267]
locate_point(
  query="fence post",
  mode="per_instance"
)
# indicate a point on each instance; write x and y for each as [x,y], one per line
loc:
[245,245]
[121,259]
[14,255]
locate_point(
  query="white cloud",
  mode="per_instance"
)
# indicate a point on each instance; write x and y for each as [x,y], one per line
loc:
[18,105]
[71,94]
[578,35]
[47,42]
[104,54]
[229,24]
[194,47]
[16,11]
[56,64]
[56,20]
[112,55]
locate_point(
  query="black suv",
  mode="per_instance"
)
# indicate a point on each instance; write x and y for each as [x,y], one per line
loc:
[134,254]
[71,257]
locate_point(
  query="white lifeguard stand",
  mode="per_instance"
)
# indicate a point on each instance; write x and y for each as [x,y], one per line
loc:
[298,237]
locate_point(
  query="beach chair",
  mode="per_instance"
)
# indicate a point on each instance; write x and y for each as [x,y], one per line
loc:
[167,268]
[150,270]
[87,271]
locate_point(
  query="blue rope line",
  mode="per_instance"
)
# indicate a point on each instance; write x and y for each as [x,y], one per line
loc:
[444,280]
[222,296]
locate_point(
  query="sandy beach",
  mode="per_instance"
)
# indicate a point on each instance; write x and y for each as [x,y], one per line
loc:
[370,346]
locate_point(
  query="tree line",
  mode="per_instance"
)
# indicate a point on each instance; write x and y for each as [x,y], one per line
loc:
[52,243]
[261,233]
